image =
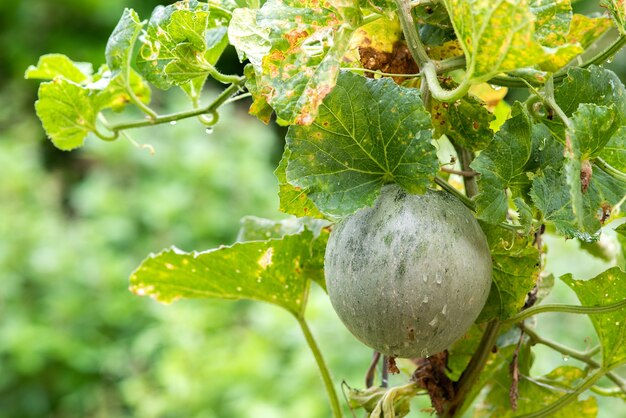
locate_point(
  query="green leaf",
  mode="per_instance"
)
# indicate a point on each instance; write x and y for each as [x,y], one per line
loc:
[465,122]
[516,266]
[293,200]
[536,393]
[275,270]
[249,39]
[182,43]
[57,65]
[503,161]
[368,133]
[496,36]
[606,288]
[308,43]
[120,45]
[67,113]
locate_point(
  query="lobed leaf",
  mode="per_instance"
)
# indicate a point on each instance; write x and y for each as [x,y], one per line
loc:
[608,287]
[368,133]
[276,270]
[251,41]
[181,44]
[67,113]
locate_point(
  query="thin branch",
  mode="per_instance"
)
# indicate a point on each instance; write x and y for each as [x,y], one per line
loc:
[573,309]
[220,100]
[321,364]
[586,357]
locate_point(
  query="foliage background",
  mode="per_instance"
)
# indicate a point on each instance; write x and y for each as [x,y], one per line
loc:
[73,341]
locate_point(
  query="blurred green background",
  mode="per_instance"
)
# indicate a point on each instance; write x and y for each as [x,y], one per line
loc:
[73,341]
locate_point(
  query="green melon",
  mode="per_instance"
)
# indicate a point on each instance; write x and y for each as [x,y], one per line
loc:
[408,276]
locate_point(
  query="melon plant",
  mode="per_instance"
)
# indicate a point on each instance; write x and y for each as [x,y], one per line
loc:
[398,113]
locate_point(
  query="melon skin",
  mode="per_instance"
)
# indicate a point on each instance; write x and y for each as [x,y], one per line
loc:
[408,276]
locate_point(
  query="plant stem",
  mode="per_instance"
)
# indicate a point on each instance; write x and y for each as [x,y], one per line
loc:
[584,357]
[221,99]
[450,189]
[567,399]
[474,368]
[573,309]
[427,67]
[321,364]
[465,159]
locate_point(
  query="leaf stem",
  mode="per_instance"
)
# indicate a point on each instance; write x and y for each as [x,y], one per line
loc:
[321,364]
[221,99]
[567,399]
[468,173]
[573,309]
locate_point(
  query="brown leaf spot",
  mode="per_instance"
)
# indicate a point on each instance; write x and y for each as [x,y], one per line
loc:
[391,365]
[398,61]
[585,175]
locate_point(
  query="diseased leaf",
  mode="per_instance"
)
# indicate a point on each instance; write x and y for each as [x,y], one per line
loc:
[249,39]
[516,267]
[583,31]
[293,200]
[308,43]
[496,36]
[368,133]
[259,108]
[51,66]
[275,270]
[500,163]
[606,288]
[465,122]
[536,394]
[552,22]
[591,128]
[67,113]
